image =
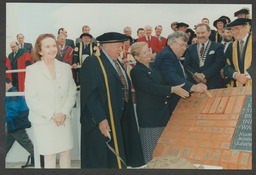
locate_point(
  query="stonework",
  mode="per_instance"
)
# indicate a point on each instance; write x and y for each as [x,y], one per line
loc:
[201,129]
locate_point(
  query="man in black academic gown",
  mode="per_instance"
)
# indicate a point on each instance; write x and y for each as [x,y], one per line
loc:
[239,55]
[95,112]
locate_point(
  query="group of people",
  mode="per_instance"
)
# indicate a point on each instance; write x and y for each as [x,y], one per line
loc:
[160,77]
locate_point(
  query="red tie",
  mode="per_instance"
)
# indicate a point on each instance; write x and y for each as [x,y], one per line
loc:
[149,42]
[202,49]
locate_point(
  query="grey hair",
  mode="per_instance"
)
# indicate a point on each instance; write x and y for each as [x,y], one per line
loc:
[178,34]
[126,28]
[203,24]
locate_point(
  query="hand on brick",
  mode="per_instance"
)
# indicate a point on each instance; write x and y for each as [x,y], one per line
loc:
[200,78]
[241,78]
[201,88]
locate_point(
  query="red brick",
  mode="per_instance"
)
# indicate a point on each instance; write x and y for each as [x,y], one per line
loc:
[215,157]
[185,135]
[230,104]
[185,142]
[229,130]
[234,91]
[208,144]
[198,116]
[199,156]
[205,123]
[166,151]
[244,159]
[222,106]
[219,92]
[186,152]
[189,123]
[221,137]
[172,151]
[207,157]
[241,90]
[224,159]
[175,122]
[239,104]
[191,155]
[234,116]
[207,106]
[179,151]
[248,90]
[233,160]
[250,162]
[172,128]
[226,123]
[200,136]
[215,105]
[200,106]
[191,129]
[166,141]
[227,92]
[225,145]
[212,129]
[169,134]
[218,117]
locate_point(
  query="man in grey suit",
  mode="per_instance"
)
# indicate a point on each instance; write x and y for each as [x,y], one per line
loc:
[69,42]
[85,29]
[22,44]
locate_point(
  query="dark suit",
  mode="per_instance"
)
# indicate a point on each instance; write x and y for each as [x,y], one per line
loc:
[214,61]
[70,42]
[152,94]
[94,109]
[27,46]
[172,72]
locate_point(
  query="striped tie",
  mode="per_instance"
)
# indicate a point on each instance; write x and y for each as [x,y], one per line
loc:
[241,48]
[121,75]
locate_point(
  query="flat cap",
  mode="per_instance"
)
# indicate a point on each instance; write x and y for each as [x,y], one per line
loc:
[181,24]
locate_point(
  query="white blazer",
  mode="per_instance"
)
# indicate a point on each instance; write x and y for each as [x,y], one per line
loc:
[45,96]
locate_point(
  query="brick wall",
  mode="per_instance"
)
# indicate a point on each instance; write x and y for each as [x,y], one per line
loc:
[201,129]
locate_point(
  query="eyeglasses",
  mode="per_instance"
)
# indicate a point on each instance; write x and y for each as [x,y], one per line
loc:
[181,45]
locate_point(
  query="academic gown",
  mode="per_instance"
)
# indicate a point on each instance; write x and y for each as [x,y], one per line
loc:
[94,109]
[67,55]
[20,61]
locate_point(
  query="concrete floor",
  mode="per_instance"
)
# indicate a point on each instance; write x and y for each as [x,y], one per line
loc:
[75,164]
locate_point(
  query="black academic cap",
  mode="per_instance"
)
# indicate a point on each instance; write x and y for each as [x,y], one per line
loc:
[112,37]
[181,24]
[226,17]
[190,32]
[85,34]
[218,20]
[239,21]
[242,11]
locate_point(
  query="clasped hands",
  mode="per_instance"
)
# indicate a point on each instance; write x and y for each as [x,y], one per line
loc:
[241,78]
[59,119]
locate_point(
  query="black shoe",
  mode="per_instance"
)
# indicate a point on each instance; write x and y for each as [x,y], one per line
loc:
[27,164]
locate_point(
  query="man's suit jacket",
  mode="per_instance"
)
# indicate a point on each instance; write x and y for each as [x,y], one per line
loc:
[70,42]
[154,43]
[45,97]
[214,61]
[172,72]
[28,46]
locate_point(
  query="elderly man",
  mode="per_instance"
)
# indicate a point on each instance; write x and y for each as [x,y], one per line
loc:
[83,49]
[18,59]
[106,108]
[69,42]
[158,31]
[204,60]
[85,29]
[239,55]
[22,44]
[65,51]
[128,31]
[153,42]
[168,61]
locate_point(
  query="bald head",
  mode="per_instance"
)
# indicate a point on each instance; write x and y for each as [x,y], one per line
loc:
[14,46]
[148,30]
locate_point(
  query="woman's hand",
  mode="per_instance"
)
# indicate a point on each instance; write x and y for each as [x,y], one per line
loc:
[180,91]
[59,119]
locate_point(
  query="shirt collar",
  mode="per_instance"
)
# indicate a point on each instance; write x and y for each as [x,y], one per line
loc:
[245,38]
[205,44]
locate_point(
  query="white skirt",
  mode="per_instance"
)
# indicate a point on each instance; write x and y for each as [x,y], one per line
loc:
[52,139]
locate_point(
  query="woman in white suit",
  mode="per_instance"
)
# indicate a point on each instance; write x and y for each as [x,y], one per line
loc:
[50,94]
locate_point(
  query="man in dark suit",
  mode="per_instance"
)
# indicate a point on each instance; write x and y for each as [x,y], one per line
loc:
[22,44]
[168,61]
[69,42]
[204,60]
[102,114]
[85,29]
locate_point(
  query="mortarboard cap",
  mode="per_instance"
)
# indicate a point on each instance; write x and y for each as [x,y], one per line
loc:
[239,21]
[112,37]
[218,20]
[85,34]
[181,24]
[242,11]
